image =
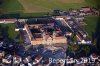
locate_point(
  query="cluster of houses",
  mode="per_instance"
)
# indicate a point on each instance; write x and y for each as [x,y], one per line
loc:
[81,34]
[45,58]
[74,19]
[38,57]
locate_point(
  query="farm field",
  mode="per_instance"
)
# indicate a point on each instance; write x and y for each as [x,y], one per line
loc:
[49,5]
[29,6]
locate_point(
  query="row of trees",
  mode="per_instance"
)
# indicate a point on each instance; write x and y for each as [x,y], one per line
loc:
[97,31]
[1,1]
[4,32]
[97,35]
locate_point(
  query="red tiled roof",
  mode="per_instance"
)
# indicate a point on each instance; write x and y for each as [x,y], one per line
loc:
[39,39]
[8,20]
[86,9]
[59,37]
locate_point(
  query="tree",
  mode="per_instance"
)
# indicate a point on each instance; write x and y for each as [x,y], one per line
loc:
[73,48]
[97,35]
[56,12]
[5,32]
[1,1]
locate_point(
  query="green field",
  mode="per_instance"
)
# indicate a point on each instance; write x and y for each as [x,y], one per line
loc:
[91,22]
[11,6]
[11,30]
[49,5]
[93,3]
[29,6]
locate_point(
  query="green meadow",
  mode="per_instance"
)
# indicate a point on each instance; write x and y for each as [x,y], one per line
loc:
[91,22]
[10,28]
[29,6]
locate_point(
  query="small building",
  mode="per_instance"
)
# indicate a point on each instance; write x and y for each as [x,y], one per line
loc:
[82,14]
[6,21]
[19,26]
[16,60]
[37,59]
[22,64]
[85,9]
[2,53]
[27,59]
[79,19]
[7,60]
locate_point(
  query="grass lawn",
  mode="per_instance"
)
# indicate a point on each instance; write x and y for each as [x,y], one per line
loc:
[49,5]
[11,6]
[11,30]
[35,14]
[41,5]
[91,3]
[91,22]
